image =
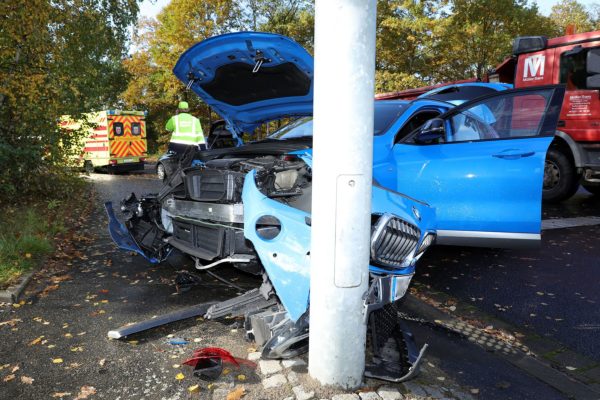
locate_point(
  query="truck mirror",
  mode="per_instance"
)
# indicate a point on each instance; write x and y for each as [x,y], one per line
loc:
[593,62]
[593,82]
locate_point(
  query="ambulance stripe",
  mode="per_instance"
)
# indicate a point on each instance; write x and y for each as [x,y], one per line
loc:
[95,149]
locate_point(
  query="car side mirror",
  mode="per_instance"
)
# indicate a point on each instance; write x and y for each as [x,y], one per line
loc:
[431,131]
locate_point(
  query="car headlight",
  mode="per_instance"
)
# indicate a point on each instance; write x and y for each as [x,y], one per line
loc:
[427,241]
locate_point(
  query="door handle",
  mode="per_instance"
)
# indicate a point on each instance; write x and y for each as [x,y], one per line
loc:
[513,154]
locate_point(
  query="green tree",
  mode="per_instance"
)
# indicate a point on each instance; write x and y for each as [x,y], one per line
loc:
[478,34]
[572,12]
[58,57]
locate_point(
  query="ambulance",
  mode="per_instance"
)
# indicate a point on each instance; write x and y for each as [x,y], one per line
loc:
[115,139]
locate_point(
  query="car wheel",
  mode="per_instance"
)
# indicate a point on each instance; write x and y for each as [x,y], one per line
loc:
[88,167]
[160,171]
[593,188]
[561,180]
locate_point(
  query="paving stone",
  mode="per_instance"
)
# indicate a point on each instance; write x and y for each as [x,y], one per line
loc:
[593,374]
[301,394]
[274,381]
[433,392]
[269,367]
[294,362]
[254,356]
[292,377]
[389,393]
[369,396]
[573,359]
[220,394]
[415,389]
[346,396]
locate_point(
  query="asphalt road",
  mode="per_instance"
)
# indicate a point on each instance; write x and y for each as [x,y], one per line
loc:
[552,290]
[58,337]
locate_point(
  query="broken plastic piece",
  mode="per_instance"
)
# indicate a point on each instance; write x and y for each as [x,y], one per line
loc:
[208,362]
[178,341]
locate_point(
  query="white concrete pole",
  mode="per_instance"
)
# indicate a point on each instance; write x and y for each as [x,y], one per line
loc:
[341,202]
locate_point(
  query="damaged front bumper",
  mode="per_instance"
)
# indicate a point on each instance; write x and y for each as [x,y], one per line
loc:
[122,237]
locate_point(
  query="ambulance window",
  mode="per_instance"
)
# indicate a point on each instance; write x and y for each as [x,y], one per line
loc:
[136,129]
[573,68]
[118,128]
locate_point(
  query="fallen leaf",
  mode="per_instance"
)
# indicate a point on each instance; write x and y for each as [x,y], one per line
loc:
[68,335]
[85,392]
[237,394]
[226,371]
[27,255]
[14,369]
[4,366]
[27,380]
[133,342]
[9,378]
[194,389]
[241,377]
[51,346]
[102,362]
[57,360]
[36,341]
[61,394]
[11,322]
[176,365]
[441,378]
[179,376]
[570,368]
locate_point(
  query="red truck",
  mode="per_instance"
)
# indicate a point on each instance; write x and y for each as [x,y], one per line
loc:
[573,60]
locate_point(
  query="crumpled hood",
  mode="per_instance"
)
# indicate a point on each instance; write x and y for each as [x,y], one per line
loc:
[249,77]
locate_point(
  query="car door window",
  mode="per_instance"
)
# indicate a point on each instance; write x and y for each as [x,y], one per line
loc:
[415,122]
[503,117]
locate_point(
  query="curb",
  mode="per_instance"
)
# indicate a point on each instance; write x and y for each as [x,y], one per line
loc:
[12,293]
[531,356]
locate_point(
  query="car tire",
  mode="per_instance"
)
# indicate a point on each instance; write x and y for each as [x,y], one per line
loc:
[88,167]
[561,179]
[161,172]
[593,188]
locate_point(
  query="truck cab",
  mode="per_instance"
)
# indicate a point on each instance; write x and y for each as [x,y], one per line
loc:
[573,60]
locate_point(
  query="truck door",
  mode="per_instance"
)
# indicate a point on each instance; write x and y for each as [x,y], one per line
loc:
[481,168]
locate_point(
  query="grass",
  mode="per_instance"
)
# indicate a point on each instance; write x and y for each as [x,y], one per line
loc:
[28,233]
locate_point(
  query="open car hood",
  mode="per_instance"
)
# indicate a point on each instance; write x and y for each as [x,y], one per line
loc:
[249,77]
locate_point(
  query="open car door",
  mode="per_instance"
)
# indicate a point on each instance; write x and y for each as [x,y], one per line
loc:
[481,166]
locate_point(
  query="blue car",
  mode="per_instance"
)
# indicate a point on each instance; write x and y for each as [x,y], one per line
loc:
[457,167]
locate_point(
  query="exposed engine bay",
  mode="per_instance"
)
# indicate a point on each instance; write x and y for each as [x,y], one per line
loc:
[235,208]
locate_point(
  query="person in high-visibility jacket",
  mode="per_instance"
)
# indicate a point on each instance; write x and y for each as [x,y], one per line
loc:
[187,131]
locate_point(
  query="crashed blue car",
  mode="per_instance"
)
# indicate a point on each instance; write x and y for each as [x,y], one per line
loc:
[458,167]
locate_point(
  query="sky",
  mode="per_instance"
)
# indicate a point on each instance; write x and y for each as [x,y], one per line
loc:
[149,8]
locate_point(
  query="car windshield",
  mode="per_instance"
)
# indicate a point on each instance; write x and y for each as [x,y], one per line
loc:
[385,115]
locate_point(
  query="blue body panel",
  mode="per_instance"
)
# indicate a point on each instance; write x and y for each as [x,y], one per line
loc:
[121,236]
[470,189]
[286,258]
[203,59]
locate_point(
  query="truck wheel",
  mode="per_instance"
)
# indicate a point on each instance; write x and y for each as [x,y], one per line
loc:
[561,180]
[160,171]
[88,167]
[593,188]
